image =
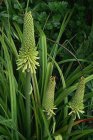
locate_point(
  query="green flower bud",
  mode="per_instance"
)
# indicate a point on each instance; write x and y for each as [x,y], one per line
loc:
[48,103]
[28,54]
[76,103]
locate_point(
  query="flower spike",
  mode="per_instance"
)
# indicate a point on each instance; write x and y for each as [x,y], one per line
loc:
[76,104]
[48,103]
[28,53]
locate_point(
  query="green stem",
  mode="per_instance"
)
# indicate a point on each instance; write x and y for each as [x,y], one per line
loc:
[65,108]
[35,88]
[27,5]
[70,126]
[28,111]
[48,123]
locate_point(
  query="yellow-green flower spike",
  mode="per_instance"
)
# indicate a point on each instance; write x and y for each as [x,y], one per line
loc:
[48,103]
[28,54]
[76,103]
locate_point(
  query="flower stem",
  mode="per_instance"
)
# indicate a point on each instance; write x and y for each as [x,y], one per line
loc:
[70,126]
[65,108]
[28,111]
[35,88]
